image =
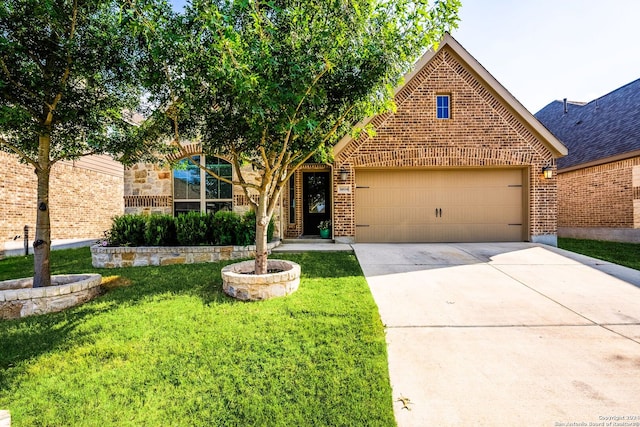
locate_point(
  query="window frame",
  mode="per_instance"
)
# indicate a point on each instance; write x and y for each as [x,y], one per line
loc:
[443,112]
[292,199]
[202,200]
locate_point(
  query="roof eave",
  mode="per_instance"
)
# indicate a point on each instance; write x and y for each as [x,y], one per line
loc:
[602,161]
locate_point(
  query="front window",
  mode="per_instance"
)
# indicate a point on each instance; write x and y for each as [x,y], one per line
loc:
[190,195]
[442,106]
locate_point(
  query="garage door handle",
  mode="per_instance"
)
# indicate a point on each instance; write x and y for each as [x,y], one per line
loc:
[438,212]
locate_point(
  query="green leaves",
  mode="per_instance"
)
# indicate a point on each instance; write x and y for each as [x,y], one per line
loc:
[70,69]
[294,76]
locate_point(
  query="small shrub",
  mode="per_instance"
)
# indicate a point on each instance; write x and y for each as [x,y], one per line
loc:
[210,223]
[161,231]
[246,233]
[225,226]
[127,230]
[191,229]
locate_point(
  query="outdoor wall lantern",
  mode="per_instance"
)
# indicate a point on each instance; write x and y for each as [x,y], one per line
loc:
[344,175]
[547,171]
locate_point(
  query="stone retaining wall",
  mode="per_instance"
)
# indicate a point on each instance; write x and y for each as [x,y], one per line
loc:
[141,256]
[18,299]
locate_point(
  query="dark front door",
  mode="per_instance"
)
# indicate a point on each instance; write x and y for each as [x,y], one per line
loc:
[317,202]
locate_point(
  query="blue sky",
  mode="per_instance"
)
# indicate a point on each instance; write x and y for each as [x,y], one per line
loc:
[542,50]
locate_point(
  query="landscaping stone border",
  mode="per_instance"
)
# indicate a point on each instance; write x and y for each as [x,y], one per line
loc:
[141,256]
[19,299]
[239,282]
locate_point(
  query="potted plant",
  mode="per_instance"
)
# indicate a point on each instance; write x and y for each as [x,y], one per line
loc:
[325,229]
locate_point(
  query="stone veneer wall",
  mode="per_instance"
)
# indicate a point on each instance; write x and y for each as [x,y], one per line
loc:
[115,257]
[601,202]
[482,132]
[148,189]
[83,198]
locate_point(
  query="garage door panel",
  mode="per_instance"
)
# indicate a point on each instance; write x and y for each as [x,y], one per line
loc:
[439,206]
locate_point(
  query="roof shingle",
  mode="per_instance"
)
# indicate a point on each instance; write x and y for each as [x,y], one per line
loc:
[603,128]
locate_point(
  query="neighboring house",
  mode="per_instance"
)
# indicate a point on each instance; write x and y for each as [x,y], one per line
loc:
[599,181]
[459,161]
[84,196]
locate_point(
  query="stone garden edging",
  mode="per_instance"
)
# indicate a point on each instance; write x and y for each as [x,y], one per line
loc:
[19,299]
[141,256]
[238,280]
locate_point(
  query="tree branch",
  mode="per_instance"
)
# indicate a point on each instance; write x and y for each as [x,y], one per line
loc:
[33,113]
[292,121]
[67,70]
[19,152]
[243,184]
[26,90]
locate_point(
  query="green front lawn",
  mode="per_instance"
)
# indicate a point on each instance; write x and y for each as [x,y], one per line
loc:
[165,346]
[627,254]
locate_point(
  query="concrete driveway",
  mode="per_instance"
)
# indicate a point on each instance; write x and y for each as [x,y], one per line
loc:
[511,334]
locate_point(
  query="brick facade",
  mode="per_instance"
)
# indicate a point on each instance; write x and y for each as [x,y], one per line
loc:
[601,202]
[483,131]
[609,190]
[487,129]
[82,200]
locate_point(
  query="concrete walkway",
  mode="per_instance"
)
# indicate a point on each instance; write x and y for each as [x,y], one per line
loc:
[16,247]
[511,334]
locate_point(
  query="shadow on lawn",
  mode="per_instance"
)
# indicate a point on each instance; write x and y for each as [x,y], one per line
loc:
[30,337]
[25,339]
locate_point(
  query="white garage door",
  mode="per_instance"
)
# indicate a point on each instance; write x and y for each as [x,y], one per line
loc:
[469,205]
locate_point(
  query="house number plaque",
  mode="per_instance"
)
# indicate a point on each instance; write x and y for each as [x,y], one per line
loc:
[344,189]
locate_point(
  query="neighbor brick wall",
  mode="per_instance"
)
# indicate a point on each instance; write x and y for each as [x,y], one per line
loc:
[482,131]
[81,201]
[601,196]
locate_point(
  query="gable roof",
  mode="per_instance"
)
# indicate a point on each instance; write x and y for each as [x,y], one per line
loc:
[550,141]
[603,130]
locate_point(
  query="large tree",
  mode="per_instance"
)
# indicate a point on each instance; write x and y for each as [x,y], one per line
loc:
[68,86]
[272,84]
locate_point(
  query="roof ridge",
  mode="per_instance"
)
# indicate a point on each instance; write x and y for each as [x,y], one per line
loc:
[613,91]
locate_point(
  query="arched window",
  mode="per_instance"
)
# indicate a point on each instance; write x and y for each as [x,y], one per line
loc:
[190,195]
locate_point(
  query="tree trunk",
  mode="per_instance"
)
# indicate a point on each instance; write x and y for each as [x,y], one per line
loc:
[42,242]
[262,223]
[261,247]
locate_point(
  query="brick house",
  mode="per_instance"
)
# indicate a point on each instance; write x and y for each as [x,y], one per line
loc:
[599,181]
[460,160]
[84,196]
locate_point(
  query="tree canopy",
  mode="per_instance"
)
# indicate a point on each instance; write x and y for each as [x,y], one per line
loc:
[273,83]
[69,85]
[67,70]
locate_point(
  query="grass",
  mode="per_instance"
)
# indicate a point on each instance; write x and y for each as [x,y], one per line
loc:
[627,254]
[165,346]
